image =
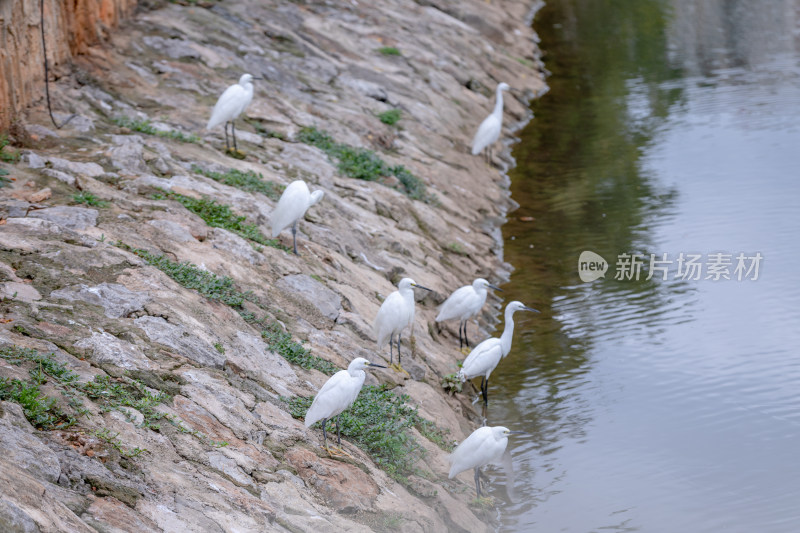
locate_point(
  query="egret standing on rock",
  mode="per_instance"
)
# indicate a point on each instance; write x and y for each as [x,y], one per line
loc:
[464,303]
[484,358]
[292,206]
[230,105]
[396,313]
[490,128]
[484,446]
[338,393]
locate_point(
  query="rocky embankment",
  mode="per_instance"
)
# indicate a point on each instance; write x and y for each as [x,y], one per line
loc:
[155,342]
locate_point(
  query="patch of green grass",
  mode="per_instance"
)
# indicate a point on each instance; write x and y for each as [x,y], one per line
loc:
[4,181]
[364,164]
[221,216]
[247,181]
[144,126]
[7,156]
[219,347]
[89,199]
[40,410]
[456,248]
[378,423]
[389,51]
[208,284]
[281,342]
[113,395]
[390,117]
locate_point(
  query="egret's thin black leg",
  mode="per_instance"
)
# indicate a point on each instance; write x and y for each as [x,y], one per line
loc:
[227,143]
[460,338]
[391,341]
[233,130]
[338,432]
[478,481]
[466,340]
[294,237]
[325,433]
[398,349]
[485,390]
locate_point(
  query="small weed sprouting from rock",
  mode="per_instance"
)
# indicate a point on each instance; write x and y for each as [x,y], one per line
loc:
[363,164]
[456,248]
[144,126]
[7,155]
[219,347]
[4,180]
[221,216]
[109,437]
[89,199]
[377,423]
[389,51]
[247,181]
[390,117]
[452,383]
[190,276]
[281,342]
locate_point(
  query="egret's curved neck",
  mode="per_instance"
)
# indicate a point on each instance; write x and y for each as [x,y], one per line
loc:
[508,332]
[498,104]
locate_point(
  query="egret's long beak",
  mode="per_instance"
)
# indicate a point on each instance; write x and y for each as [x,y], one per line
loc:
[421,287]
[373,365]
[258,78]
[517,433]
[495,287]
[531,309]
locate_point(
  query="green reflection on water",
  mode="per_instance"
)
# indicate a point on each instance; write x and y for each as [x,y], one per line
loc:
[579,174]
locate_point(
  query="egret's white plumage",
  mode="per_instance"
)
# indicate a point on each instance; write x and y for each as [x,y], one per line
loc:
[396,314]
[292,206]
[486,445]
[233,101]
[463,304]
[338,393]
[490,128]
[484,358]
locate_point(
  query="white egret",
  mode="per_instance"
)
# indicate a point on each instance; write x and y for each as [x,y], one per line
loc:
[294,202]
[490,128]
[486,445]
[484,358]
[396,313]
[230,105]
[338,393]
[464,303]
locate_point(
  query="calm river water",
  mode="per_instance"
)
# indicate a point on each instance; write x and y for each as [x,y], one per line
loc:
[660,405]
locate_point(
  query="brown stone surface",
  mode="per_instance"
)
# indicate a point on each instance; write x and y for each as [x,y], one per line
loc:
[343,486]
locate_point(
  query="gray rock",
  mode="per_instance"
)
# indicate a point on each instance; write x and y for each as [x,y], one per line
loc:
[108,349]
[11,208]
[92,170]
[117,300]
[69,179]
[307,290]
[15,520]
[250,354]
[22,448]
[173,230]
[68,217]
[174,48]
[367,88]
[33,160]
[128,153]
[179,339]
[79,123]
[223,239]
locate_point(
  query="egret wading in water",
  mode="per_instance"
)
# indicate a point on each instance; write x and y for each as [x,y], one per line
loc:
[463,304]
[484,358]
[230,105]
[490,128]
[338,393]
[396,313]
[294,202]
[486,445]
